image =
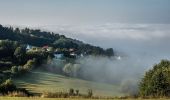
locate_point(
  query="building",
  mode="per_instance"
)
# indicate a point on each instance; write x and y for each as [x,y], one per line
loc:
[28,47]
[46,48]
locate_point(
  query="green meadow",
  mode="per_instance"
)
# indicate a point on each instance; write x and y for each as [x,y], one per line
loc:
[41,81]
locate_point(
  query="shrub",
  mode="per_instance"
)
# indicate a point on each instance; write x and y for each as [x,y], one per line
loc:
[71,92]
[14,69]
[77,92]
[10,89]
[7,86]
[55,95]
[17,94]
[89,93]
[29,65]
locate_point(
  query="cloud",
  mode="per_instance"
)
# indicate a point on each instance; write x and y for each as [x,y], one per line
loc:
[116,31]
[142,41]
[140,46]
[148,39]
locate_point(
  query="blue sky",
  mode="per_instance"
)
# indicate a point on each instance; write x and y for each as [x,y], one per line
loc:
[51,12]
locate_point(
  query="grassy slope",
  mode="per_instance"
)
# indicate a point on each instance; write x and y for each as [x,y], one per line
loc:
[25,98]
[39,81]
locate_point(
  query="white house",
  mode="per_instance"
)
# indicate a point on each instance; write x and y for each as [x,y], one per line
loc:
[28,47]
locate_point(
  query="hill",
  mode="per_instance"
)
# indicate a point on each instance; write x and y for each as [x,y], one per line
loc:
[36,37]
[41,81]
[24,50]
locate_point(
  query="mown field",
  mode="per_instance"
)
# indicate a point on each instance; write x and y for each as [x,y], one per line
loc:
[40,81]
[36,98]
[25,98]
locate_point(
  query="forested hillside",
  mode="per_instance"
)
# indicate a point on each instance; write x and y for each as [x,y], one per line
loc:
[22,50]
[42,38]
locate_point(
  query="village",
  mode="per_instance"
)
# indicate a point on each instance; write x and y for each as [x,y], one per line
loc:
[58,53]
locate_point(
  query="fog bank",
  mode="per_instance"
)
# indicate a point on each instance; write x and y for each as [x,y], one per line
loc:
[139,45]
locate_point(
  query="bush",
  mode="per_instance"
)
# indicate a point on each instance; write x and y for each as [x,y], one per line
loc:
[29,65]
[7,86]
[10,89]
[39,56]
[70,94]
[14,69]
[17,94]
[89,93]
[55,95]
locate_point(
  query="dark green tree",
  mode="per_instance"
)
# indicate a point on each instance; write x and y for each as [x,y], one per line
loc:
[20,53]
[156,81]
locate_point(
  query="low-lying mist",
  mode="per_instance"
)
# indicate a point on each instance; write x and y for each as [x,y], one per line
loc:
[122,71]
[139,45]
[110,70]
[125,72]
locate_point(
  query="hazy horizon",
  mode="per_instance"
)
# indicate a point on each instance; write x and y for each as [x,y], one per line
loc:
[139,29]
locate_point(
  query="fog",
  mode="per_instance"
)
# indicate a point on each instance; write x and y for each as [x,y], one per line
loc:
[137,48]
[144,43]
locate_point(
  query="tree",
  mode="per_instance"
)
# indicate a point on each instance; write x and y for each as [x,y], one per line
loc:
[17,30]
[40,38]
[7,48]
[160,83]
[20,54]
[156,81]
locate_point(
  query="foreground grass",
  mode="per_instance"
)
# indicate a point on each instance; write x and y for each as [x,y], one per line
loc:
[37,98]
[34,98]
[40,81]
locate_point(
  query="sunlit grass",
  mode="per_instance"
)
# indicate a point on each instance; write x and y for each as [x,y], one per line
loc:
[37,98]
[40,81]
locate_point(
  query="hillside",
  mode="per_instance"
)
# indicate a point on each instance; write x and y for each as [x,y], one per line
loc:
[22,51]
[36,37]
[41,81]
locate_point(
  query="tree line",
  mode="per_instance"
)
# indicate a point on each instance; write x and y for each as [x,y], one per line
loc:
[39,38]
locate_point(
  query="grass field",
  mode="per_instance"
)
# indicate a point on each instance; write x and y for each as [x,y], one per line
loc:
[21,98]
[25,98]
[40,81]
